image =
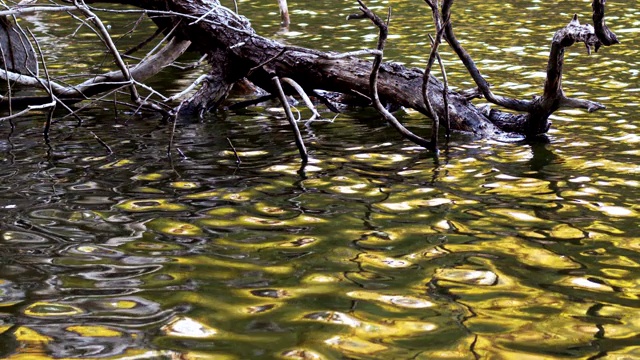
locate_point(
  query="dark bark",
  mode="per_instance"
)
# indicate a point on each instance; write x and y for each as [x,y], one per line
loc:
[16,52]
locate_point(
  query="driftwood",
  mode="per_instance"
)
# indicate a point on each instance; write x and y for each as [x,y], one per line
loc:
[236,53]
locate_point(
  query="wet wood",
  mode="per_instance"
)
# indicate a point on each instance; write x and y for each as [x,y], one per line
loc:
[236,53]
[17,53]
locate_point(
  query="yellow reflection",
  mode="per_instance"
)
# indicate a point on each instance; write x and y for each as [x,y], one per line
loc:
[186,185]
[301,354]
[354,345]
[585,284]
[412,204]
[367,329]
[321,279]
[566,232]
[94,331]
[149,177]
[522,251]
[123,304]
[116,164]
[467,276]
[26,334]
[201,260]
[150,205]
[300,242]
[382,261]
[516,215]
[147,190]
[174,227]
[259,222]
[44,309]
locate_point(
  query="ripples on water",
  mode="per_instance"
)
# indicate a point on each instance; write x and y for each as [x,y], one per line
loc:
[376,249]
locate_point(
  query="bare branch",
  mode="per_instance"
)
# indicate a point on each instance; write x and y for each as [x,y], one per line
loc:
[83,8]
[591,106]
[184,92]
[445,93]
[304,97]
[238,161]
[18,11]
[483,85]
[287,109]
[31,81]
[28,109]
[606,36]
[373,78]
[427,72]
[284,13]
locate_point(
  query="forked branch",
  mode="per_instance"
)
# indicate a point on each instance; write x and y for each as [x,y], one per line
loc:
[538,110]
[373,78]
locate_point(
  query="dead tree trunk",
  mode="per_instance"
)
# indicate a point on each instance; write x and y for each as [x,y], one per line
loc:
[235,53]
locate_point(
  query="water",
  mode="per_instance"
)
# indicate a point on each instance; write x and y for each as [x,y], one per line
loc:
[375,250]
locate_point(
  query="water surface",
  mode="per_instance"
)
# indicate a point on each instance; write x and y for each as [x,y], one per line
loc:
[376,249]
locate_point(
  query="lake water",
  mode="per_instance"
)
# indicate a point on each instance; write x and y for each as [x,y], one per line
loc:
[376,249]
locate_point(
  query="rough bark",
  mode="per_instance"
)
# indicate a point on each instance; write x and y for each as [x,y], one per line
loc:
[16,53]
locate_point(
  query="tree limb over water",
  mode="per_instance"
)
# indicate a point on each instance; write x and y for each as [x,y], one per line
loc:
[235,54]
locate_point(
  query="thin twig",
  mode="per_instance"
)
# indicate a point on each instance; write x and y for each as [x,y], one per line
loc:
[238,161]
[144,42]
[47,126]
[184,92]
[427,72]
[304,96]
[483,85]
[29,108]
[169,34]
[104,144]
[17,11]
[287,109]
[284,49]
[173,128]
[445,95]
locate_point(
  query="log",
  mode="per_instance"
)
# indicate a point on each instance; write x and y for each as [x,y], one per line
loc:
[237,53]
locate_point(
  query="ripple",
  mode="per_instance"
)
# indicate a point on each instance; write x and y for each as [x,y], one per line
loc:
[46,309]
[23,237]
[189,328]
[470,277]
[401,301]
[150,205]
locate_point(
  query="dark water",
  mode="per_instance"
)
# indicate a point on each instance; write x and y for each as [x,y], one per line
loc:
[376,250]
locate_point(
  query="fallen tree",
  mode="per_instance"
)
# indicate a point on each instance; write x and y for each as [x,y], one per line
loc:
[236,53]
